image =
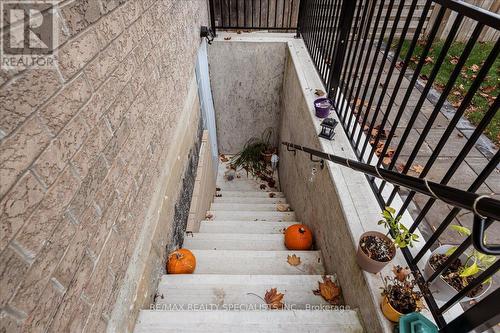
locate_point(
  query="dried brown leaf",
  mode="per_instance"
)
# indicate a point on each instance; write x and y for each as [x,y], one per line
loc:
[417,168]
[454,60]
[474,68]
[272,195]
[400,273]
[274,299]
[282,207]
[328,290]
[400,167]
[293,260]
[319,92]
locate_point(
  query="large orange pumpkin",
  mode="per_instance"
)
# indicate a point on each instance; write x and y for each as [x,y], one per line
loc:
[298,237]
[181,261]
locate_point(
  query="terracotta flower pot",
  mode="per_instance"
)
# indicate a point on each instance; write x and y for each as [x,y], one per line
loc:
[439,288]
[368,264]
[266,157]
[389,312]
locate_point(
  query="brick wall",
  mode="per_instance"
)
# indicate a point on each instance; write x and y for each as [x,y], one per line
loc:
[82,147]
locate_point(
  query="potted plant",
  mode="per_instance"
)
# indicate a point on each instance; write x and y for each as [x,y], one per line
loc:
[376,250]
[460,273]
[268,150]
[400,295]
[255,154]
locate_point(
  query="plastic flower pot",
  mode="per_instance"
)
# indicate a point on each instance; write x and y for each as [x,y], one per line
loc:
[323,107]
[368,264]
[415,322]
[439,288]
[389,312]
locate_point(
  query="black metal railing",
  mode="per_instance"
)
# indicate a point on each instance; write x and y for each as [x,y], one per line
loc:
[380,94]
[280,15]
[486,210]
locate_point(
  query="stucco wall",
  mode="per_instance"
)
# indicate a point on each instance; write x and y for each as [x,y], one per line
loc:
[93,153]
[246,81]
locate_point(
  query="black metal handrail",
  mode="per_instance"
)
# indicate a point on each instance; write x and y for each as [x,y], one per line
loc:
[486,210]
[484,206]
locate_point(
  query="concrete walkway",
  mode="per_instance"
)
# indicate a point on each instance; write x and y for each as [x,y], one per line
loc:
[475,161]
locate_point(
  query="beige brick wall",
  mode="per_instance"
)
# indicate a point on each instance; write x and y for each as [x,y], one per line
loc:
[82,146]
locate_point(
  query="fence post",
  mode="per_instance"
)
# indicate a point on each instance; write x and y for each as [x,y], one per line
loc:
[212,16]
[346,16]
[300,18]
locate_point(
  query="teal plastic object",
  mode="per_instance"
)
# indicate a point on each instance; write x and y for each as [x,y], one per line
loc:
[416,323]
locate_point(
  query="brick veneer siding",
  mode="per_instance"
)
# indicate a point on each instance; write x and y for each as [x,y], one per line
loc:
[82,147]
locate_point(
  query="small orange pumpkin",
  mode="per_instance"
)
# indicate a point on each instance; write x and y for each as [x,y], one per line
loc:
[298,237]
[181,261]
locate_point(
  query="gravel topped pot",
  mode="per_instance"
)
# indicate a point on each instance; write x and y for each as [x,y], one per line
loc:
[440,289]
[368,262]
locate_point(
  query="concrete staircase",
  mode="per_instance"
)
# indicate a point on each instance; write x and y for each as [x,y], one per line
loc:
[240,253]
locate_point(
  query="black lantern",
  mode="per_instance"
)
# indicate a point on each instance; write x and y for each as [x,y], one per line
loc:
[327,127]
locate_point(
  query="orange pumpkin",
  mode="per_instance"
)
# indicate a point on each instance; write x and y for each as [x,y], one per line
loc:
[298,237]
[181,261]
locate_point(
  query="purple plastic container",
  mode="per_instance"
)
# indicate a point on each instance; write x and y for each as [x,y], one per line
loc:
[323,107]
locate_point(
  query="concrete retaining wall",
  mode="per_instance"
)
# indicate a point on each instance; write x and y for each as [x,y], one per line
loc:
[246,81]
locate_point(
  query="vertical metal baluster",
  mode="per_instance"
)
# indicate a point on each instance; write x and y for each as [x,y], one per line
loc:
[439,104]
[372,67]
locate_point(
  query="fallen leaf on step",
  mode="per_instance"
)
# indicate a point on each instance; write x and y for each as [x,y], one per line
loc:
[263,186]
[319,92]
[274,299]
[293,260]
[417,168]
[328,290]
[272,195]
[223,158]
[209,216]
[227,38]
[282,208]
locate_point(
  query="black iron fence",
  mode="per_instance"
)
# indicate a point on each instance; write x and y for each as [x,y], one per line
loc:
[255,14]
[371,56]
[380,93]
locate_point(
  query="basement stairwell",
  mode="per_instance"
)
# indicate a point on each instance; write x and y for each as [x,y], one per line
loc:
[240,254]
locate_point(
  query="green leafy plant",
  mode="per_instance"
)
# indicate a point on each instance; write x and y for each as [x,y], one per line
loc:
[401,235]
[476,261]
[250,157]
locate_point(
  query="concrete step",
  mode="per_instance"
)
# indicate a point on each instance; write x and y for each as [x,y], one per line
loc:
[245,227]
[244,186]
[223,241]
[249,207]
[185,289]
[250,194]
[257,262]
[290,321]
[249,200]
[251,216]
